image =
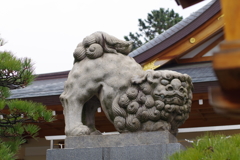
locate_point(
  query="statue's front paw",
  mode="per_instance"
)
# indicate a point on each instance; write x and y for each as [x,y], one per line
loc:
[96,132]
[80,130]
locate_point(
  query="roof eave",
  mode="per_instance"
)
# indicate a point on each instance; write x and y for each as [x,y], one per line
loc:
[200,20]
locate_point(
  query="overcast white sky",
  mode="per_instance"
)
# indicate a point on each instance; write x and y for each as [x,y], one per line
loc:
[47,31]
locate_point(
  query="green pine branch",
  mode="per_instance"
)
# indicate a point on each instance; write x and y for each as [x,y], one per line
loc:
[14,72]
[18,118]
[19,113]
[156,23]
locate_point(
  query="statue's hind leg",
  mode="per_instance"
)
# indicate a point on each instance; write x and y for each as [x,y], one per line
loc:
[88,115]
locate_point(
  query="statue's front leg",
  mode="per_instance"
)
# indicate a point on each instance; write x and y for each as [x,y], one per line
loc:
[89,110]
[73,116]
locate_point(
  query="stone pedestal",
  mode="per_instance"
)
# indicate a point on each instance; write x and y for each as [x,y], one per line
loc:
[128,146]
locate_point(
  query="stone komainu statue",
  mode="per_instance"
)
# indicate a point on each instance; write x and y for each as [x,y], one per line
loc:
[132,99]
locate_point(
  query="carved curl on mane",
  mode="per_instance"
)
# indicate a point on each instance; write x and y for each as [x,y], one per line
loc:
[103,43]
[158,100]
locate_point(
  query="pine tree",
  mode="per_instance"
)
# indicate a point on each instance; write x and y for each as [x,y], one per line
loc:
[156,23]
[17,116]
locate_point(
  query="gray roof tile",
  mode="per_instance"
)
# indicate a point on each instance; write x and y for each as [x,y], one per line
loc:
[167,33]
[192,17]
[40,88]
[134,53]
[144,48]
[185,22]
[173,29]
[150,44]
[140,50]
[196,14]
[155,42]
[159,38]
[199,72]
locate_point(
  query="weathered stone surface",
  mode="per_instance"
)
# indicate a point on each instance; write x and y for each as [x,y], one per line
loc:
[144,152]
[132,99]
[173,147]
[75,154]
[133,146]
[120,140]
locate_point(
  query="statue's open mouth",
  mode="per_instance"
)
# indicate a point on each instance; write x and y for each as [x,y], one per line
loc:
[172,99]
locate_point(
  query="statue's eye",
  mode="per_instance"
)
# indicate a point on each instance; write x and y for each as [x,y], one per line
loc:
[164,82]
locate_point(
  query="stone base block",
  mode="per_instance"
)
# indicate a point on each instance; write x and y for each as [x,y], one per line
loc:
[120,140]
[146,152]
[132,146]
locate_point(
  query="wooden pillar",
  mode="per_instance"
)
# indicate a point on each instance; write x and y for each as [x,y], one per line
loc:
[226,63]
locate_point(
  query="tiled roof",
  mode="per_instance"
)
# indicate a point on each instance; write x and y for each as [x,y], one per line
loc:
[40,88]
[199,72]
[173,31]
[202,72]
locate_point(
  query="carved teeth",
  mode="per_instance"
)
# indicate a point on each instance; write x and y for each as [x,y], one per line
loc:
[170,108]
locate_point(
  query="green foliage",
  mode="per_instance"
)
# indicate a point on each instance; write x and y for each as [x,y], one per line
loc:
[20,112]
[17,116]
[6,151]
[211,147]
[9,148]
[4,92]
[2,41]
[31,129]
[28,110]
[2,104]
[14,72]
[156,23]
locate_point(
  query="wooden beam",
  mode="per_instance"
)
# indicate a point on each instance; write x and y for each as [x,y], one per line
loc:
[194,60]
[199,57]
[212,27]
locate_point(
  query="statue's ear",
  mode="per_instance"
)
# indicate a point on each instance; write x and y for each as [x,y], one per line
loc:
[149,76]
[153,76]
[138,79]
[189,81]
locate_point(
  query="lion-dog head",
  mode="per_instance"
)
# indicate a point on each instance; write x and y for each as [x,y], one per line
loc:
[158,100]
